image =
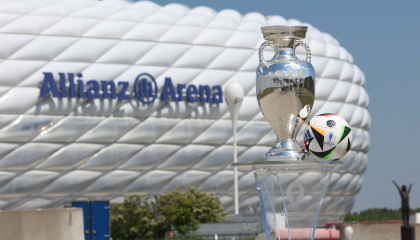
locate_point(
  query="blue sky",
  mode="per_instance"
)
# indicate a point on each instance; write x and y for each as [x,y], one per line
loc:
[382,38]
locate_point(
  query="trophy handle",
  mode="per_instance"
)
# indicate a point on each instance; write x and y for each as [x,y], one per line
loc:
[303,44]
[261,51]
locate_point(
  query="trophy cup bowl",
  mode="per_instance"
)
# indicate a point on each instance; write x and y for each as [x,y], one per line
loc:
[291,189]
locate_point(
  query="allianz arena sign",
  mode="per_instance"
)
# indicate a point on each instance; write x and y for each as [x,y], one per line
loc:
[145,89]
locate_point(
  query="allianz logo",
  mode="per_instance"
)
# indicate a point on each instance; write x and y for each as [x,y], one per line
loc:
[145,89]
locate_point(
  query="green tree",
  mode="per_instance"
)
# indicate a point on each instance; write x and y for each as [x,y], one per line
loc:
[134,219]
[182,217]
[310,81]
[207,208]
[138,218]
[178,208]
[131,219]
[186,208]
[377,214]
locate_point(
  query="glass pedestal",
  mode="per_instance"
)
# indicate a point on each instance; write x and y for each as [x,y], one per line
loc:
[291,195]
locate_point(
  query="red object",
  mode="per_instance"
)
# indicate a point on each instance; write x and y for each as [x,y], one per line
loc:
[170,234]
[327,114]
[303,234]
[367,223]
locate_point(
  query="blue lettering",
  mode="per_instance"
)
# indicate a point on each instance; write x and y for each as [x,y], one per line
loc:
[202,89]
[93,92]
[81,86]
[72,87]
[147,86]
[81,89]
[217,96]
[180,95]
[63,85]
[190,91]
[168,89]
[121,94]
[49,78]
[143,89]
[105,85]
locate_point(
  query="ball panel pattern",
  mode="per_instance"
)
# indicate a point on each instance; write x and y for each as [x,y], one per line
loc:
[327,137]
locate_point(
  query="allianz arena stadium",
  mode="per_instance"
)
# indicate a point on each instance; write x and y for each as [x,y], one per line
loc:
[63,138]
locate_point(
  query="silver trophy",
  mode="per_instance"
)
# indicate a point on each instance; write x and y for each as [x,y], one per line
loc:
[290,187]
[285,89]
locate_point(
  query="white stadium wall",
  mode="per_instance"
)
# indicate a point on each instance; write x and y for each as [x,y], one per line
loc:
[56,148]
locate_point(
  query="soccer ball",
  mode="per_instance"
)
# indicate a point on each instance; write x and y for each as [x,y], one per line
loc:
[327,137]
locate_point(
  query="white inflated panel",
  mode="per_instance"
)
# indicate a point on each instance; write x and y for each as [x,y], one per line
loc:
[54,148]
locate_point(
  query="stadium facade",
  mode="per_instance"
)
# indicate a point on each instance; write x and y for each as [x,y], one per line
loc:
[63,137]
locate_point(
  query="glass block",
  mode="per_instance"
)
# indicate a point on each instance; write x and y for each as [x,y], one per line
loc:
[291,194]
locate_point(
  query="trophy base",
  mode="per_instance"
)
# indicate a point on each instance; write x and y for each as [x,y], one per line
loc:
[287,150]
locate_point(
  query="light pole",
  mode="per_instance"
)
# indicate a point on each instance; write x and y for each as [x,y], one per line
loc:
[234,93]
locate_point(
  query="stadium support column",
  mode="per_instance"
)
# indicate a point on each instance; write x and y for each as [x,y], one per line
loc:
[234,94]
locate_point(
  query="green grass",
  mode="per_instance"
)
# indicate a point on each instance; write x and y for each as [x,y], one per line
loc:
[266,92]
[306,97]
